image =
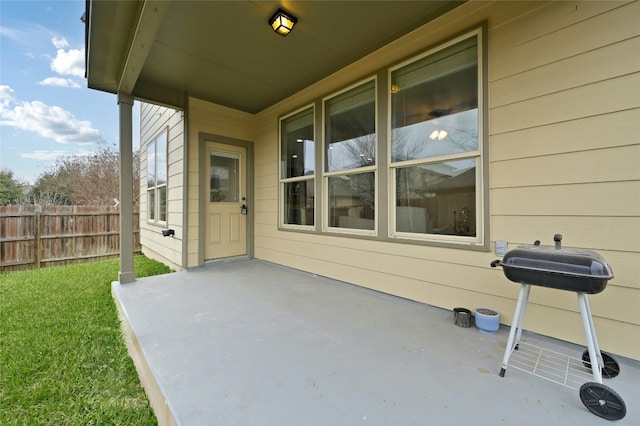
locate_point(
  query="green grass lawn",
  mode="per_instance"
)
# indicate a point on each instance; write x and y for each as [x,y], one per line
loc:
[63,360]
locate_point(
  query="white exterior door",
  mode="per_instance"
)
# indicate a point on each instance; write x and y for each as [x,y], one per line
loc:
[225,220]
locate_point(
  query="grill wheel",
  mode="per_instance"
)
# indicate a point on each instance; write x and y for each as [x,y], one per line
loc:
[611,368]
[602,401]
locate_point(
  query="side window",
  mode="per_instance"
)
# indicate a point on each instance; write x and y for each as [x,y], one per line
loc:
[350,158]
[436,154]
[157,179]
[297,168]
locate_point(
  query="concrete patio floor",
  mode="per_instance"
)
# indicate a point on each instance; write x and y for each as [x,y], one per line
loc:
[247,342]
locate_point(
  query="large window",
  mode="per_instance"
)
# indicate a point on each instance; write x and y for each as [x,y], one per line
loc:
[350,158]
[157,179]
[435,144]
[297,168]
[422,172]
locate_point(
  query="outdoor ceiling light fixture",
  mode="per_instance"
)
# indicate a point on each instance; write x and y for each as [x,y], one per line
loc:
[282,22]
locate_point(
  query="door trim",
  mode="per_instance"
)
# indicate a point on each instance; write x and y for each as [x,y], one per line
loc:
[203,138]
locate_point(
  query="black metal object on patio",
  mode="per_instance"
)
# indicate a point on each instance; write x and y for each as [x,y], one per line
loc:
[556,267]
[581,271]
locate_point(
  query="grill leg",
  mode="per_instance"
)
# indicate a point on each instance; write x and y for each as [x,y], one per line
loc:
[597,363]
[522,316]
[516,326]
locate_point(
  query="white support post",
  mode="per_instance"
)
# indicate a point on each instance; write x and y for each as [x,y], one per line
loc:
[126,274]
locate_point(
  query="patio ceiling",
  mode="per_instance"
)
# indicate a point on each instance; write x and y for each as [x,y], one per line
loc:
[225,52]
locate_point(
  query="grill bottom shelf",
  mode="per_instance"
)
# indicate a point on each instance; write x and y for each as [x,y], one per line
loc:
[550,365]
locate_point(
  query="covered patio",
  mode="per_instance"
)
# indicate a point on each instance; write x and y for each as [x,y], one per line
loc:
[248,342]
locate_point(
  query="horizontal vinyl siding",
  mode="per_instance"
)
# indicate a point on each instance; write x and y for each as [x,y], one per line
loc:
[565,150]
[597,132]
[153,119]
[564,156]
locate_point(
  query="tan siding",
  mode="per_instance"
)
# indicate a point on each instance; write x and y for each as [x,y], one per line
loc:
[602,131]
[210,119]
[615,303]
[585,101]
[153,119]
[537,19]
[589,199]
[619,337]
[578,167]
[403,287]
[597,233]
[618,59]
[626,269]
[266,218]
[218,120]
[569,32]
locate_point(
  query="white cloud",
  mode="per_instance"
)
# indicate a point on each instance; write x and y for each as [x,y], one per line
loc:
[69,62]
[60,42]
[48,121]
[7,95]
[66,62]
[43,155]
[59,82]
[27,34]
[12,33]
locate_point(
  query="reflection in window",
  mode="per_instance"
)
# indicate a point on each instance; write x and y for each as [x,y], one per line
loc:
[351,201]
[350,144]
[435,104]
[157,179]
[435,149]
[298,202]
[151,202]
[451,134]
[350,140]
[297,170]
[224,178]
[162,203]
[297,154]
[437,198]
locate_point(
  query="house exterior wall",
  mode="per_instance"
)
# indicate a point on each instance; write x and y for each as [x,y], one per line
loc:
[213,121]
[153,120]
[564,156]
[564,150]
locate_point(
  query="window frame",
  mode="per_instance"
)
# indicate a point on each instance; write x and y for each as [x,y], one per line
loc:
[326,175]
[156,188]
[385,171]
[478,154]
[282,182]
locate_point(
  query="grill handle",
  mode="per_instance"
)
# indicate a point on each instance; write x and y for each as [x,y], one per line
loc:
[495,263]
[558,238]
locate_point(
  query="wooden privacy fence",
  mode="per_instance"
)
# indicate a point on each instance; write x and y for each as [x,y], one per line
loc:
[38,236]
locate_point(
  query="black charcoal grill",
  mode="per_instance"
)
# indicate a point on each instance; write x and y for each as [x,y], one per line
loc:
[581,271]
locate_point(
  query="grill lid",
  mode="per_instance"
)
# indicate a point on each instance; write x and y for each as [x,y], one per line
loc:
[557,267]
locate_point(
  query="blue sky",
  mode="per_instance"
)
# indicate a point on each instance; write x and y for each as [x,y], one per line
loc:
[46,109]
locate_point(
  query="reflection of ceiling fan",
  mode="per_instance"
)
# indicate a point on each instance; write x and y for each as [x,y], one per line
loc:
[440,112]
